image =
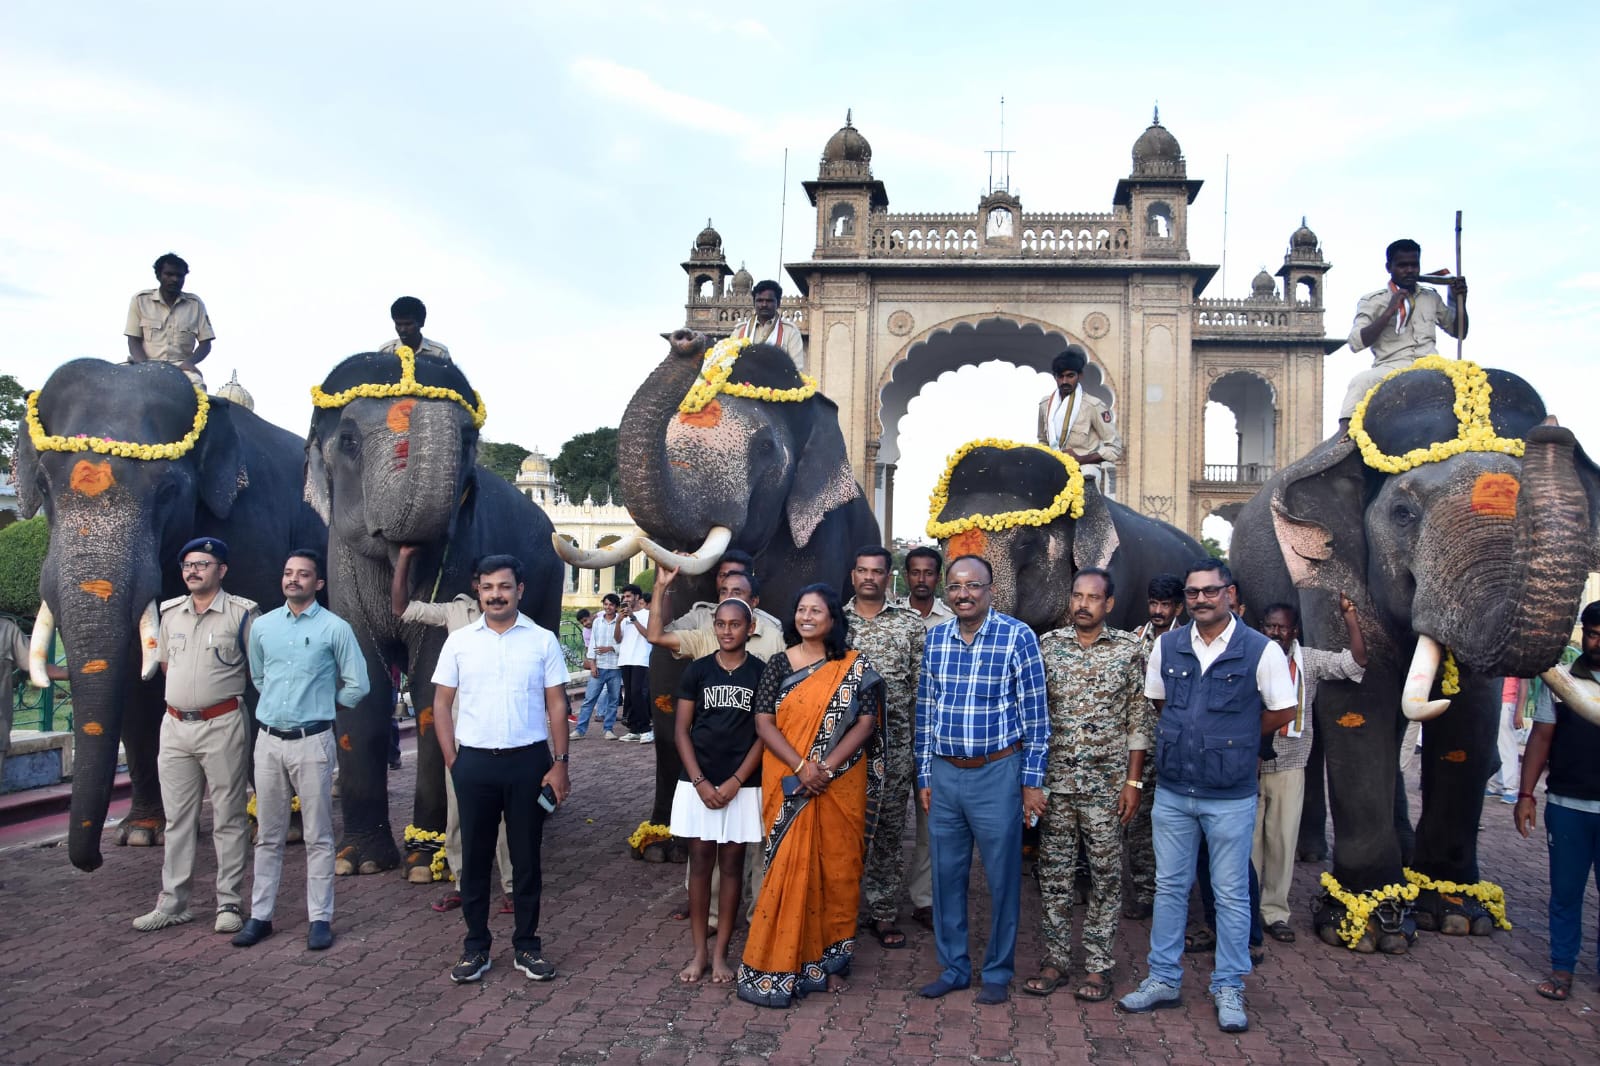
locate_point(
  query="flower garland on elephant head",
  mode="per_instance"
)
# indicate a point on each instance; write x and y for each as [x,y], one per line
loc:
[45,442]
[406,386]
[1358,906]
[1474,432]
[715,371]
[1069,501]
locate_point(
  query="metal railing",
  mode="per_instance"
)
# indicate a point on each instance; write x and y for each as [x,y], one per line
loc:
[48,709]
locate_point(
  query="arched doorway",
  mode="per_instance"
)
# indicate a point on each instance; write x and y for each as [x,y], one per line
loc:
[1249,458]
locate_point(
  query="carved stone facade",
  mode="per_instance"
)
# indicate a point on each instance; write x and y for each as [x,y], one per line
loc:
[888,302]
[588,525]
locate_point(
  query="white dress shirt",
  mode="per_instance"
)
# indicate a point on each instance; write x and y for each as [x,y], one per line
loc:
[1272,672]
[500,679]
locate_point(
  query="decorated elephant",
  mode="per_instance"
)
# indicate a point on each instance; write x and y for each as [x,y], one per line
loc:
[391,460]
[1462,524]
[1028,510]
[733,448]
[129,463]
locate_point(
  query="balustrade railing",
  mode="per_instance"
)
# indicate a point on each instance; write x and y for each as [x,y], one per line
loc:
[1238,474]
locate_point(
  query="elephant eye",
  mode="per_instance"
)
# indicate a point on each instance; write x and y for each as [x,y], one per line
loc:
[349,441]
[41,484]
[1404,514]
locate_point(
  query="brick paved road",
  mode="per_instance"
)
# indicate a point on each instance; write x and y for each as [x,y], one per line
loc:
[78,985]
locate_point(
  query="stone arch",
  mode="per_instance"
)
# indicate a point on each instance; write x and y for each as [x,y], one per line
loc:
[842,221]
[1253,401]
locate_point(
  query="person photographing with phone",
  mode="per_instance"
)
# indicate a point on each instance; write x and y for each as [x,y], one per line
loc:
[505,679]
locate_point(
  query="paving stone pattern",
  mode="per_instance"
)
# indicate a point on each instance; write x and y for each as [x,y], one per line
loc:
[79,985]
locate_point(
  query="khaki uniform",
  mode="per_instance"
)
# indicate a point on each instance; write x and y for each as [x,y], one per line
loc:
[1093,427]
[170,334]
[893,641]
[427,347]
[788,337]
[13,657]
[1097,716]
[1395,348]
[204,653]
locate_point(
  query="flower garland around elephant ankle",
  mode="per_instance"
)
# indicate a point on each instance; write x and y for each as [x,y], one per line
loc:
[250,806]
[1451,684]
[714,374]
[648,833]
[1491,895]
[1474,432]
[406,386]
[1069,501]
[45,442]
[1358,906]
[423,840]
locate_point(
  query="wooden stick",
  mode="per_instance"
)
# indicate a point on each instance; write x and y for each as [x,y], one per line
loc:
[1458,274]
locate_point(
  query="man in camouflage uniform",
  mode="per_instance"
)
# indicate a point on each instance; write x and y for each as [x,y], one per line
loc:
[1094,680]
[1164,600]
[892,638]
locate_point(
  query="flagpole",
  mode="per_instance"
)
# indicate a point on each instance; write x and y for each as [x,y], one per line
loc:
[1458,274]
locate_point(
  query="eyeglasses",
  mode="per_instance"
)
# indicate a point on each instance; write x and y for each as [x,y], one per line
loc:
[967,586]
[1210,592]
[195,568]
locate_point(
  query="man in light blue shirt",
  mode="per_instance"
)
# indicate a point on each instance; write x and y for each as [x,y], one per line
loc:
[305,662]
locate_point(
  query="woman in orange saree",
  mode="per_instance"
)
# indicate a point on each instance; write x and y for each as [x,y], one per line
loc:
[816,709]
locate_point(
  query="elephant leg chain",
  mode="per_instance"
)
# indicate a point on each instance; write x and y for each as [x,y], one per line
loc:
[1392,916]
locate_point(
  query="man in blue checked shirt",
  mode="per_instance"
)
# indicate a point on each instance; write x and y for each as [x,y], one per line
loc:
[982,736]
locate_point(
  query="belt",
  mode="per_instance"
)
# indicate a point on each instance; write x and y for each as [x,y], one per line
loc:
[296,734]
[975,761]
[500,751]
[216,710]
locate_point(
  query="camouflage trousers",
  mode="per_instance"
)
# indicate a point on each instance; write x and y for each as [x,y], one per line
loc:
[886,856]
[1139,844]
[1093,819]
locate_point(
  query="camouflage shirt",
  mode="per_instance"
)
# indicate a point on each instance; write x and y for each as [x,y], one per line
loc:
[1098,712]
[892,639]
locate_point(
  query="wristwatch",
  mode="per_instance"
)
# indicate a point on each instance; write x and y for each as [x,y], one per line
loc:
[563,757]
[1136,784]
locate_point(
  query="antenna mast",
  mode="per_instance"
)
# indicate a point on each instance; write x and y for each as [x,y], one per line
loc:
[1005,184]
[1226,161]
[783,211]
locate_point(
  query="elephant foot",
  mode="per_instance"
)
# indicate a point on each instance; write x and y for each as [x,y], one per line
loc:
[655,851]
[418,866]
[678,851]
[1452,915]
[1312,854]
[141,833]
[371,854]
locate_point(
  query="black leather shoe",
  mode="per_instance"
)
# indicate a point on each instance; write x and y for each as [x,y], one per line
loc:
[253,933]
[319,937]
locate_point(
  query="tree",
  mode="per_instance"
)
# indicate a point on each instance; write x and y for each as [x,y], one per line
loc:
[11,408]
[587,466]
[503,459]
[22,550]
[1214,548]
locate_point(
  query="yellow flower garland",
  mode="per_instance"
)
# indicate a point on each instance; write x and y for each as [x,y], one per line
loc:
[1491,895]
[1358,906]
[648,833]
[713,379]
[406,386]
[1474,433]
[1452,675]
[1068,501]
[250,807]
[422,838]
[44,442]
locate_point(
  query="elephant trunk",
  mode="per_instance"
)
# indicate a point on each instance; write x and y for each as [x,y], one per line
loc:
[642,465]
[415,484]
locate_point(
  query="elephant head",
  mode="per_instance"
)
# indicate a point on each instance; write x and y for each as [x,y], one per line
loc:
[1444,532]
[996,501]
[169,461]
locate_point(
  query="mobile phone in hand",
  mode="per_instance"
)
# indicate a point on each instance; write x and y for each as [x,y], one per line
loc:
[547,799]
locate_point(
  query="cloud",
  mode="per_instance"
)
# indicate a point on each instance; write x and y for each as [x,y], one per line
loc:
[631,86]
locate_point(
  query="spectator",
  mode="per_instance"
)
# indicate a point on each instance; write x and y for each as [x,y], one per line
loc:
[633,653]
[605,675]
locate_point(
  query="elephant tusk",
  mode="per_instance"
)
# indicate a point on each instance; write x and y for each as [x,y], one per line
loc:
[149,641]
[1414,700]
[1581,699]
[595,558]
[703,560]
[39,647]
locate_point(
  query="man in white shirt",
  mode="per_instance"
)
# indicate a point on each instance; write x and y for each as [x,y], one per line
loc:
[504,742]
[767,328]
[1074,421]
[605,674]
[633,654]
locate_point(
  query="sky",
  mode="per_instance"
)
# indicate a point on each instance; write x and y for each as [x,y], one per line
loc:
[536,173]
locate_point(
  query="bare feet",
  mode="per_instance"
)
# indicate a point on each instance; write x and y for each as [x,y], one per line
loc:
[696,969]
[720,973]
[837,984]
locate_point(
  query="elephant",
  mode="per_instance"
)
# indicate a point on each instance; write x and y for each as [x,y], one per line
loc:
[767,476]
[391,459]
[118,518]
[1006,486]
[1462,523]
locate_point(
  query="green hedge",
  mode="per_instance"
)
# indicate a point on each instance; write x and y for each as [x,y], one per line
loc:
[22,550]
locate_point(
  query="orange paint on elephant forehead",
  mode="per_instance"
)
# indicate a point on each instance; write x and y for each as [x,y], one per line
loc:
[399,418]
[972,542]
[1351,720]
[95,666]
[708,416]
[1455,756]
[91,479]
[93,729]
[1495,494]
[100,588]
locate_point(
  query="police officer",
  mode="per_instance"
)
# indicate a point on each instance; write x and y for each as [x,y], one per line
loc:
[205,738]
[1073,421]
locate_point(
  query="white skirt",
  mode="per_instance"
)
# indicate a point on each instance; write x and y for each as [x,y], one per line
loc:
[737,823]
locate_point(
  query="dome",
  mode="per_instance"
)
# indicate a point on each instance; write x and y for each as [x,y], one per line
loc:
[847,146]
[1263,286]
[535,463]
[1303,239]
[743,280]
[234,392]
[1157,151]
[709,240]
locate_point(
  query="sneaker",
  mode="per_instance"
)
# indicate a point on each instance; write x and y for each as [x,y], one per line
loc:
[1509,798]
[629,738]
[610,735]
[533,965]
[472,967]
[1152,994]
[650,738]
[572,719]
[160,919]
[1231,1017]
[228,919]
[573,734]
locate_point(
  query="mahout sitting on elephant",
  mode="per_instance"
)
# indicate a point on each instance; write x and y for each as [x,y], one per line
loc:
[129,463]
[1462,524]
[1028,510]
[391,460]
[734,448]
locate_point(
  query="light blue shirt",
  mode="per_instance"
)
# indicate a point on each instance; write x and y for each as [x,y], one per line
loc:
[303,665]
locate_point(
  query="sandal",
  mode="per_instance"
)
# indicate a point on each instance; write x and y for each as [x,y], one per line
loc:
[507,906]
[1198,940]
[923,916]
[450,902]
[1043,985]
[1281,932]
[1095,987]
[884,931]
[1555,987]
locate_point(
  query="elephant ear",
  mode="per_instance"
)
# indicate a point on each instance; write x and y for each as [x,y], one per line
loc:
[823,480]
[24,473]
[318,490]
[1094,536]
[1318,512]
[222,468]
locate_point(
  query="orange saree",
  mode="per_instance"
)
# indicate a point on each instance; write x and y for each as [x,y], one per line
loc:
[803,928]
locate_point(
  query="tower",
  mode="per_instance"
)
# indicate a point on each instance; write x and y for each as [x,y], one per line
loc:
[1303,268]
[1158,193]
[706,267]
[845,193]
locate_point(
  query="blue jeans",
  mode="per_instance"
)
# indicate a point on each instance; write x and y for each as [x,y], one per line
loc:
[1178,823]
[1208,898]
[607,686]
[1574,841]
[982,805]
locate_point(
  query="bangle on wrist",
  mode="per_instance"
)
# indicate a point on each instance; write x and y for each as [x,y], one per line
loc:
[739,780]
[1525,795]
[696,782]
[801,765]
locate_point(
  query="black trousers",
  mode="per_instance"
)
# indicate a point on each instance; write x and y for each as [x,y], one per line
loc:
[490,785]
[636,698]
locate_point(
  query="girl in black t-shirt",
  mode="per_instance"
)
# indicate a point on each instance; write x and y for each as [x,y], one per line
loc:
[717,806]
